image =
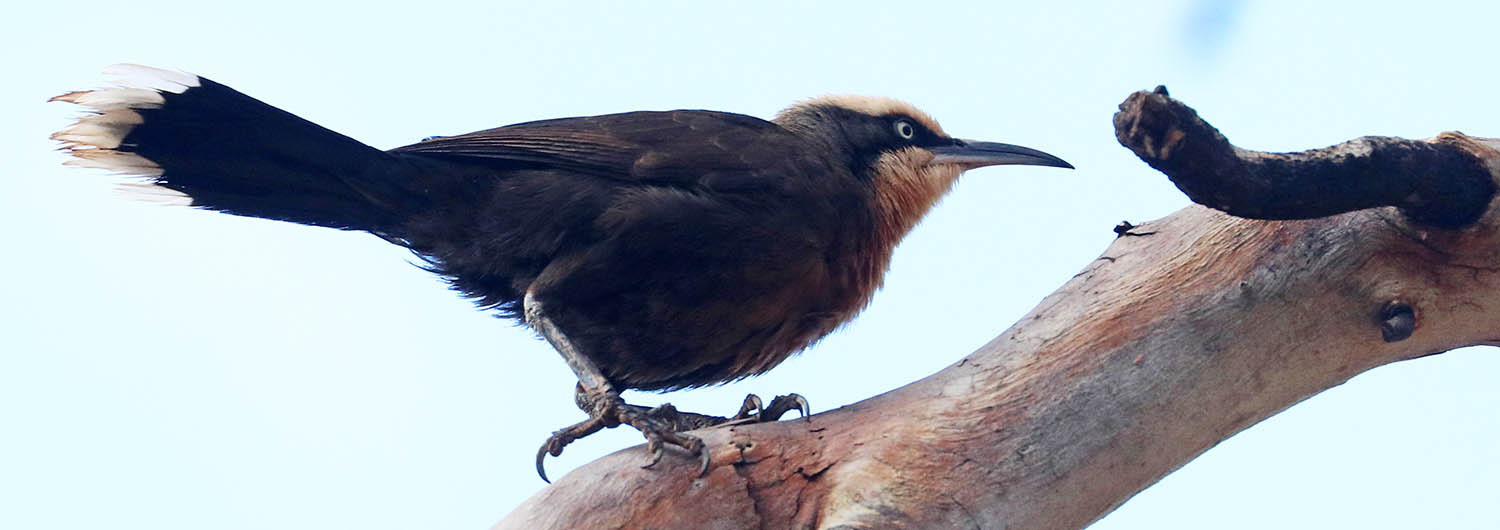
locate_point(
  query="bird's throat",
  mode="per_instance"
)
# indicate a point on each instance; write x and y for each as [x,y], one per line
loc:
[906,188]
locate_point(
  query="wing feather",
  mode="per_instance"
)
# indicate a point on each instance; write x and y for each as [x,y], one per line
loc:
[678,147]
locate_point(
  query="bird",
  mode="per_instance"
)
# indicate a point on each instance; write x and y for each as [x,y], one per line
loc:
[654,250]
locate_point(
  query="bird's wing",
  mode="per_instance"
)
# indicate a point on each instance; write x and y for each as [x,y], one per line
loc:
[673,147]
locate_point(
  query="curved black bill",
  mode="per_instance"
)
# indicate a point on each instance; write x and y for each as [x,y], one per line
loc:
[971,154]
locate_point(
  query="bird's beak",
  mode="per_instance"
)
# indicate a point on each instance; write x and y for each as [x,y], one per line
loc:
[971,154]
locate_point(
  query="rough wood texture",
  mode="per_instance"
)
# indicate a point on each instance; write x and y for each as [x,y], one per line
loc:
[1437,183]
[1185,331]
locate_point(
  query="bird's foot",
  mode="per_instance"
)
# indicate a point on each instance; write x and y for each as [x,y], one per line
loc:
[661,425]
[753,411]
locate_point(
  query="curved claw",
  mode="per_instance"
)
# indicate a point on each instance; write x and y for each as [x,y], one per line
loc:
[703,463]
[802,407]
[541,456]
[752,404]
[657,450]
[560,439]
[783,404]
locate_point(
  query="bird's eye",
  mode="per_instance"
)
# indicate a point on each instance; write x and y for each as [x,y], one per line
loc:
[905,130]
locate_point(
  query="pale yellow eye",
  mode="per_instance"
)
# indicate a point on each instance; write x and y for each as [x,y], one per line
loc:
[905,130]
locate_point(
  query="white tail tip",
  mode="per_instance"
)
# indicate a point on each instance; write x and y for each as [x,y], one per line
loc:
[154,194]
[137,76]
[95,140]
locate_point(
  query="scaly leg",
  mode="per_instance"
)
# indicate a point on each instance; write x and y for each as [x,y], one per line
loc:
[597,397]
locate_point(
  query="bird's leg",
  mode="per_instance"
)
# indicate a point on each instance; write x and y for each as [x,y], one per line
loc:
[597,397]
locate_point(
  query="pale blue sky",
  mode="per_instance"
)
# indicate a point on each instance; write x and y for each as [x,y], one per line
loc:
[163,368]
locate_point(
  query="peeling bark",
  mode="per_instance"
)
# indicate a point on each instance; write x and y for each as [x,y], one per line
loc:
[1196,327]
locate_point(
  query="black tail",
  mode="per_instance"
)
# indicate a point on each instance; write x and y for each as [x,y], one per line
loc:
[222,150]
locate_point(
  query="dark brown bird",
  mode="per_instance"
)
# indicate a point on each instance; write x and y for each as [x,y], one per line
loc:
[653,250]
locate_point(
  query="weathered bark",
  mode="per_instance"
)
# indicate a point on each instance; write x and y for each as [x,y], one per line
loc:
[1185,331]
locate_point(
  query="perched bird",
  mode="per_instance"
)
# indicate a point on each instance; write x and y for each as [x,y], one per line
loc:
[653,250]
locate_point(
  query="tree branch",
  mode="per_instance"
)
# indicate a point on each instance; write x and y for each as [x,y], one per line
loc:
[1164,346]
[1438,183]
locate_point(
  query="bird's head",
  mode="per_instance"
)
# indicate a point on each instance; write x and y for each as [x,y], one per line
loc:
[900,151]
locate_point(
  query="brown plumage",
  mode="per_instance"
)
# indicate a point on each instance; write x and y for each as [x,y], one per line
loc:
[654,250]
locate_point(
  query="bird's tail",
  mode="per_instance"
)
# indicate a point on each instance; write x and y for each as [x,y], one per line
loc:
[200,143]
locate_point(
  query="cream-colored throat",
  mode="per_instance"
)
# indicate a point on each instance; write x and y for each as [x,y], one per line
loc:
[907,186]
